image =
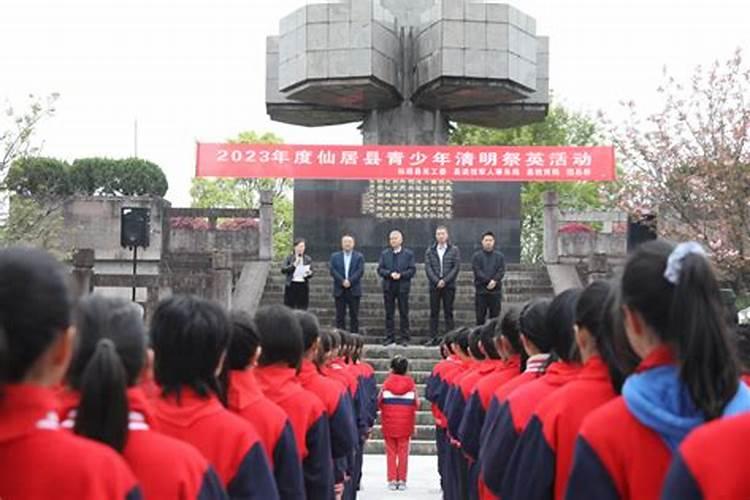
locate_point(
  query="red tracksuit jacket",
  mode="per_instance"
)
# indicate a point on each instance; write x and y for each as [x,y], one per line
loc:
[189,474]
[541,461]
[513,417]
[40,461]
[229,442]
[270,421]
[398,403]
[309,423]
[712,463]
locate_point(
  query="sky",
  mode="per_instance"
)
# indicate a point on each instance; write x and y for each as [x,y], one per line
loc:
[194,70]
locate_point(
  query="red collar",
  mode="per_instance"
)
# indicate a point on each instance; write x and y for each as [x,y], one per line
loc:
[277,381]
[187,409]
[560,372]
[594,369]
[24,408]
[660,356]
[141,413]
[244,388]
[308,372]
[491,365]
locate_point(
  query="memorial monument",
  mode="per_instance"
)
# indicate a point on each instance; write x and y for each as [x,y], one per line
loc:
[407,69]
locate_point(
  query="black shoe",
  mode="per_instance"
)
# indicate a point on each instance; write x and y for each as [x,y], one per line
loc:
[404,343]
[432,342]
[388,341]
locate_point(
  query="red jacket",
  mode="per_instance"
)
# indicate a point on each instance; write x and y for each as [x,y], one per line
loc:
[270,421]
[229,442]
[188,476]
[712,462]
[543,456]
[398,403]
[40,461]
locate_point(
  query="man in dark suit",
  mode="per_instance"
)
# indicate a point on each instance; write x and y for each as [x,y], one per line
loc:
[442,261]
[489,270]
[347,268]
[396,268]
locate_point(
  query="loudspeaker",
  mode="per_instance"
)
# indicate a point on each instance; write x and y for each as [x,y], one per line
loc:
[135,227]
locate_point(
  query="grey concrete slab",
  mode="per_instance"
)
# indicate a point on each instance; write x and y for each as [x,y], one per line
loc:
[423,479]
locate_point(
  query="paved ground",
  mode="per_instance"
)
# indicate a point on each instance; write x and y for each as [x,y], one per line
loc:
[423,479]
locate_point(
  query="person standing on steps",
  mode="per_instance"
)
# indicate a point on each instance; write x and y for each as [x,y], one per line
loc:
[396,268]
[489,270]
[298,270]
[347,268]
[442,264]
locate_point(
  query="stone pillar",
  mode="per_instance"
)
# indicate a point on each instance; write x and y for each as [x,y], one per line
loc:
[266,225]
[221,274]
[551,223]
[83,272]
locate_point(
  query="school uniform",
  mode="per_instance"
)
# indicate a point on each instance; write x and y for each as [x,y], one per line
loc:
[229,443]
[534,369]
[453,410]
[624,447]
[340,411]
[368,393]
[38,460]
[146,451]
[398,405]
[309,423]
[711,463]
[245,398]
[540,464]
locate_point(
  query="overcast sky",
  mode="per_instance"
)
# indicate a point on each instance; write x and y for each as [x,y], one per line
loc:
[192,70]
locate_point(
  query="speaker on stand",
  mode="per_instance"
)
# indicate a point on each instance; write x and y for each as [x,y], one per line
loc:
[135,231]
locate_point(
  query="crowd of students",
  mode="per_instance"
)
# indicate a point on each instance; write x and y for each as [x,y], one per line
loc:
[206,404]
[630,389]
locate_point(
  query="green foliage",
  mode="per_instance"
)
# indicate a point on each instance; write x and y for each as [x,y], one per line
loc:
[44,178]
[245,193]
[34,223]
[561,128]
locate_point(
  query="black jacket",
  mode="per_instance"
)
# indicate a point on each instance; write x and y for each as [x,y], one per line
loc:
[451,265]
[287,267]
[403,264]
[488,266]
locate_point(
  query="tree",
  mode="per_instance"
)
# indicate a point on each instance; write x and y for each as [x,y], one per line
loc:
[689,163]
[562,127]
[245,193]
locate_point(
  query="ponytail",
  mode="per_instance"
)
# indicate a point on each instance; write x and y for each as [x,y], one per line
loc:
[474,340]
[708,363]
[677,294]
[560,323]
[510,328]
[487,334]
[102,414]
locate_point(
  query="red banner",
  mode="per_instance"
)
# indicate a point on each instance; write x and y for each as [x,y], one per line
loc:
[454,163]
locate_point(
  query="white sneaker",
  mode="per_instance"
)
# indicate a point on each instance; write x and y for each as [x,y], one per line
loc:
[393,486]
[402,485]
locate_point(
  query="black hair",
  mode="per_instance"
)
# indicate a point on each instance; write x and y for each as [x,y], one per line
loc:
[348,235]
[189,336]
[488,233]
[448,340]
[34,306]
[3,358]
[346,344]
[742,335]
[689,317]
[109,357]
[280,336]
[310,328]
[487,334]
[462,339]
[297,241]
[510,328]
[533,324]
[399,365]
[335,335]
[617,353]
[561,318]
[245,340]
[441,226]
[474,341]
[359,344]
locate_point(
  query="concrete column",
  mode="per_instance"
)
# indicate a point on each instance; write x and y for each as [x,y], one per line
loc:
[551,226]
[83,272]
[221,274]
[266,225]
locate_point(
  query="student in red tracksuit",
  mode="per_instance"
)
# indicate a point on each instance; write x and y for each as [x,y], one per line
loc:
[190,338]
[674,321]
[398,403]
[542,458]
[245,398]
[334,397]
[711,463]
[537,342]
[281,356]
[104,403]
[38,460]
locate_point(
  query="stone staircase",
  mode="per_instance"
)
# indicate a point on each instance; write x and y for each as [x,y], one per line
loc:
[522,283]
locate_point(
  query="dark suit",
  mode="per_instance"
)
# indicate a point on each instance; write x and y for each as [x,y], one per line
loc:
[488,266]
[347,297]
[396,291]
[448,272]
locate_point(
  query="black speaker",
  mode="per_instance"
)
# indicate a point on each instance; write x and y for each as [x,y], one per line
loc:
[135,227]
